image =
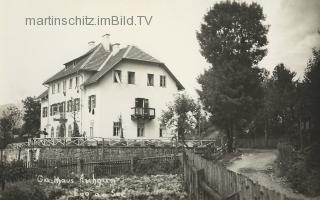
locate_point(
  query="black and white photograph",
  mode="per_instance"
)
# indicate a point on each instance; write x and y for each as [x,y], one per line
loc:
[160,100]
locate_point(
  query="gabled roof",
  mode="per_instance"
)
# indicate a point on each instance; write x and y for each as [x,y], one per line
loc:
[43,94]
[88,61]
[129,53]
[101,62]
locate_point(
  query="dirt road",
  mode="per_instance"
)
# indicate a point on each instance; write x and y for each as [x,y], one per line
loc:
[258,165]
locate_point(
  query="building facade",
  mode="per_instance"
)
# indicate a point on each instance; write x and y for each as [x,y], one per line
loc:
[108,92]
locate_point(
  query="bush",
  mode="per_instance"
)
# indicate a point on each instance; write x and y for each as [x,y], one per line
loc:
[301,169]
[24,191]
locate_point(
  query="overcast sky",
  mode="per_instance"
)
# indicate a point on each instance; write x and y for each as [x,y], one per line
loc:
[31,54]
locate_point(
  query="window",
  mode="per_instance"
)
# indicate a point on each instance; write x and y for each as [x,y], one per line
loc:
[150,80]
[140,130]
[92,103]
[58,87]
[117,76]
[131,77]
[69,130]
[64,85]
[61,107]
[116,128]
[162,81]
[52,132]
[53,88]
[53,109]
[58,131]
[70,83]
[163,130]
[69,106]
[77,81]
[76,104]
[45,112]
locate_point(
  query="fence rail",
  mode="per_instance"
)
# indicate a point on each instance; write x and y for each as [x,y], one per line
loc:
[208,180]
[99,141]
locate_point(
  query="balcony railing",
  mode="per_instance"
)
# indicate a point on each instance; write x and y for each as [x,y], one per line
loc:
[143,113]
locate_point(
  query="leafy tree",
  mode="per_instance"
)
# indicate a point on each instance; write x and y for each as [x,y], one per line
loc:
[232,38]
[312,83]
[31,117]
[281,100]
[181,116]
[9,124]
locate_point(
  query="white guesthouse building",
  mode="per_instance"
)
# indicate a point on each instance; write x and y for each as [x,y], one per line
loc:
[110,92]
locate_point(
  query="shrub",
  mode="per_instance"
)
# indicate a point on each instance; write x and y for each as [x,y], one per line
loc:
[24,191]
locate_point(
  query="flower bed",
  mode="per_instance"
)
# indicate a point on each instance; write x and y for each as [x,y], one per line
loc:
[124,187]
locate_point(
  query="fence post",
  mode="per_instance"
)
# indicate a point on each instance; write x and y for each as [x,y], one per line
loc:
[132,165]
[79,166]
[199,179]
[97,150]
[102,148]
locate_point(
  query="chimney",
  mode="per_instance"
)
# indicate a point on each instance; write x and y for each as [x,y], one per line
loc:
[91,44]
[106,41]
[115,48]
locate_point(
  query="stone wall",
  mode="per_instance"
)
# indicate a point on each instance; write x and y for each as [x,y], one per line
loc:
[88,153]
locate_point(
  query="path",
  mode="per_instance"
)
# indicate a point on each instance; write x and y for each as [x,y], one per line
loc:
[257,165]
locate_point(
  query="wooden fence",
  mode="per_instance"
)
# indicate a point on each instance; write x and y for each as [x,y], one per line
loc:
[208,180]
[261,142]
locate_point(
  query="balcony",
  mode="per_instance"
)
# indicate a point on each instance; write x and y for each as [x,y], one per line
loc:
[142,113]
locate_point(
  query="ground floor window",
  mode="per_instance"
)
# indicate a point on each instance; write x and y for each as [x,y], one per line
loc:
[162,131]
[52,132]
[91,131]
[116,128]
[69,130]
[140,130]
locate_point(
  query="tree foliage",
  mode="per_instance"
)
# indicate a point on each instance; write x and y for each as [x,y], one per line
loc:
[182,115]
[31,117]
[233,30]
[9,123]
[232,39]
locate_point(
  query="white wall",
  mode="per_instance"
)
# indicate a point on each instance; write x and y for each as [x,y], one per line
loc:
[114,99]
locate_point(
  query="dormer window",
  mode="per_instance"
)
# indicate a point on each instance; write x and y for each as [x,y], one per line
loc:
[117,76]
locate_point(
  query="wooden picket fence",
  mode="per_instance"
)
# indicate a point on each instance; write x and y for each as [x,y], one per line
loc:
[208,180]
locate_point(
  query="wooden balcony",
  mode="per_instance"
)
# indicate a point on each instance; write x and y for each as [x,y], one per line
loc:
[143,113]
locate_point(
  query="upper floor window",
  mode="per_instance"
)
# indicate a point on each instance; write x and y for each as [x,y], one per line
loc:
[77,81]
[58,87]
[131,77]
[76,104]
[64,85]
[92,103]
[117,76]
[162,81]
[70,83]
[69,106]
[150,80]
[45,112]
[53,109]
[53,88]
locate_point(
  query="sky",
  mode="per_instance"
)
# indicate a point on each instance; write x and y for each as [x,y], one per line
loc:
[31,54]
